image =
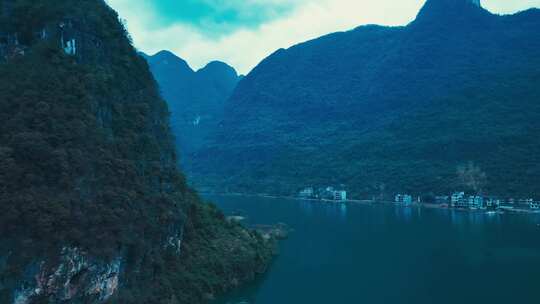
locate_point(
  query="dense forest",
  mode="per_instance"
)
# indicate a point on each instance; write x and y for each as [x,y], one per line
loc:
[92,206]
[196,99]
[385,110]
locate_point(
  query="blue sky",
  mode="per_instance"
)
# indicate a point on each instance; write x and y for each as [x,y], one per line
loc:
[243,32]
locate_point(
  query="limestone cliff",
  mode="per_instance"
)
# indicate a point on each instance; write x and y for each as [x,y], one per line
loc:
[92,206]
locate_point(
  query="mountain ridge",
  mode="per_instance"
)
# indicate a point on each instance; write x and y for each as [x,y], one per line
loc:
[196,98]
[353,108]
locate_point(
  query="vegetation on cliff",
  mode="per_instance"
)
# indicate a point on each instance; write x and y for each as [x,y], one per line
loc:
[87,160]
[217,255]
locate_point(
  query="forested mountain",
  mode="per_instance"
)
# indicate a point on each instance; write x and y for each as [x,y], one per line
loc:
[92,206]
[196,99]
[384,110]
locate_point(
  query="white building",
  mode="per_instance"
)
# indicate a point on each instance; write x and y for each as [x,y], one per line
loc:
[476,202]
[308,192]
[458,200]
[493,202]
[340,195]
[404,199]
[71,47]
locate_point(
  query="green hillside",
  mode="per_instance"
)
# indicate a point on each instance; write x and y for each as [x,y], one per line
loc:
[92,206]
[384,110]
[196,99]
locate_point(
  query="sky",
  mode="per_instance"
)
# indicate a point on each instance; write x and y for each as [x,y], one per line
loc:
[243,32]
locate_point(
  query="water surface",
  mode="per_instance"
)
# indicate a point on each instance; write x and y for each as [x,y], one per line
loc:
[351,253]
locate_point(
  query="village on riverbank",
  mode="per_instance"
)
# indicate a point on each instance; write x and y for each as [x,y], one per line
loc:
[457,200]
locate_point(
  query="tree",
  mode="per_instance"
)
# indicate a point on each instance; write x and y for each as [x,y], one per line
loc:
[472,177]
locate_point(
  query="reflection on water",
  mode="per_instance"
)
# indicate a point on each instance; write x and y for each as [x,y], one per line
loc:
[306,207]
[379,254]
[330,209]
[405,213]
[343,209]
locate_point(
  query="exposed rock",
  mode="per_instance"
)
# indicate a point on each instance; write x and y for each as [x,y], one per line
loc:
[279,231]
[76,275]
[235,218]
[175,240]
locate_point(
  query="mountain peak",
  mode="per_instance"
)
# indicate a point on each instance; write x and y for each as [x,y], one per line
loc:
[165,53]
[219,68]
[168,61]
[451,12]
[167,56]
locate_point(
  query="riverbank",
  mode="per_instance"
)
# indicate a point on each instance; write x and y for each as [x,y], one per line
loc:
[296,198]
[379,202]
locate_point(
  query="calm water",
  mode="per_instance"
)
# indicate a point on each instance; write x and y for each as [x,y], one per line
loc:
[385,254]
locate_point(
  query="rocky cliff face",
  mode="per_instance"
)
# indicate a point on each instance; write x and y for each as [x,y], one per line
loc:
[75,35]
[92,206]
[73,278]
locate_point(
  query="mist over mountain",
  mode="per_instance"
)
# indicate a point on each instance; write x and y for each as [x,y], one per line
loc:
[384,110]
[196,99]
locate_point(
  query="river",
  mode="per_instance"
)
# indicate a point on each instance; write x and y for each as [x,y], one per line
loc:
[354,253]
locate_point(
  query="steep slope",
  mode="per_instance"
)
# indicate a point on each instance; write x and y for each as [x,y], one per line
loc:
[389,109]
[196,99]
[92,206]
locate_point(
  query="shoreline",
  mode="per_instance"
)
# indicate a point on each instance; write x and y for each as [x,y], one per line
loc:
[372,202]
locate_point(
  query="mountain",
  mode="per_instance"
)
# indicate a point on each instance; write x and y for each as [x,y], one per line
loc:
[196,99]
[92,206]
[384,110]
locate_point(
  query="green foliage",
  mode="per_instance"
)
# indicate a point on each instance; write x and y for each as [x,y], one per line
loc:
[388,110]
[193,96]
[217,255]
[87,160]
[68,175]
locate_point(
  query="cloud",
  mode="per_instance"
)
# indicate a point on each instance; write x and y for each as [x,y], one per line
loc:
[219,17]
[509,6]
[245,46]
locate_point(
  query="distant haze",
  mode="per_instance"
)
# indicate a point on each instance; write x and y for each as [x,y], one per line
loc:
[242,33]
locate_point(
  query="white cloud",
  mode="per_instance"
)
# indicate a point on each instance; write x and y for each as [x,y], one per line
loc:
[509,6]
[245,48]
